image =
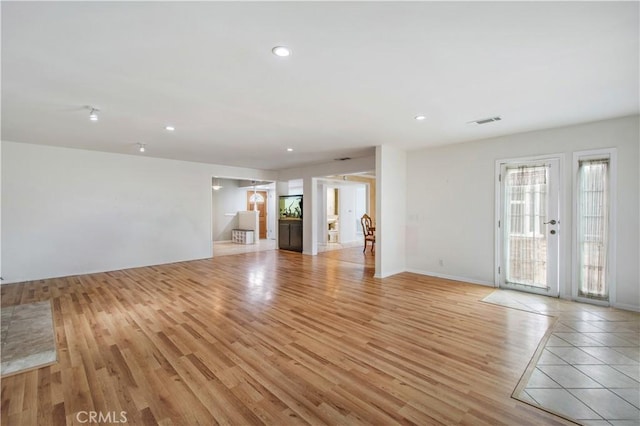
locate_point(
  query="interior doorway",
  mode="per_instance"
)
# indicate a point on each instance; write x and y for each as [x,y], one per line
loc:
[333,215]
[257,201]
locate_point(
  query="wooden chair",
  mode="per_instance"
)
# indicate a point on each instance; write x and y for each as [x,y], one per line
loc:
[369,232]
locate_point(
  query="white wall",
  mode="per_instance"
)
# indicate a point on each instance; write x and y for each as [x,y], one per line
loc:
[272,213]
[1,213]
[310,216]
[391,200]
[347,215]
[68,211]
[355,165]
[295,187]
[451,201]
[322,205]
[361,208]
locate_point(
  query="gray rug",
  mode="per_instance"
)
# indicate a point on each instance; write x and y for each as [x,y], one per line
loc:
[28,338]
[521,301]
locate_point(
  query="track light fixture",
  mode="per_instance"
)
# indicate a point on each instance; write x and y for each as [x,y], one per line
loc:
[141,147]
[93,114]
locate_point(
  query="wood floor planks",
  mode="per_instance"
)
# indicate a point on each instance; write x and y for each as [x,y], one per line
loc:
[275,338]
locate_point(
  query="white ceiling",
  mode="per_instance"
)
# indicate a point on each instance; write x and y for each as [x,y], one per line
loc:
[358,74]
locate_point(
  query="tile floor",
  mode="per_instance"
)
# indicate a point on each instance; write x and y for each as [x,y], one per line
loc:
[338,246]
[227,248]
[589,369]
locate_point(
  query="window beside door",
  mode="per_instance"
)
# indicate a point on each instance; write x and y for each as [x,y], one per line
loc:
[593,271]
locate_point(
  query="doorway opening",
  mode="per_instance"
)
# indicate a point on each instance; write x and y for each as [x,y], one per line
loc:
[257,201]
[243,216]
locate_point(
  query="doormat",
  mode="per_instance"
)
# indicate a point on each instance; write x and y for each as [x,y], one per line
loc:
[519,300]
[28,339]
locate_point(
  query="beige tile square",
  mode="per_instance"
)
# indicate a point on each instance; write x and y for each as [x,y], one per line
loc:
[608,355]
[582,326]
[609,339]
[549,358]
[527,398]
[579,339]
[563,402]
[619,326]
[563,328]
[556,341]
[607,376]
[607,404]
[540,380]
[568,376]
[582,316]
[632,371]
[573,355]
[633,353]
[632,396]
[630,337]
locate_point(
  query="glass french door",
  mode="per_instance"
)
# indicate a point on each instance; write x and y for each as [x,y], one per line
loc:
[529,225]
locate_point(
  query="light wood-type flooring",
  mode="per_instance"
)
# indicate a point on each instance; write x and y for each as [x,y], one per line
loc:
[275,338]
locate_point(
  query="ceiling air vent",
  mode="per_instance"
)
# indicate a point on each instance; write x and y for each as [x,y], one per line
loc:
[485,120]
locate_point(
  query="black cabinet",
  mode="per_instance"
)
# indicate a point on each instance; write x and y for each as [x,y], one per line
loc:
[290,225]
[290,234]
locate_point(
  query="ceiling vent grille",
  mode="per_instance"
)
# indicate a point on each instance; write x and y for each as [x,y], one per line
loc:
[485,120]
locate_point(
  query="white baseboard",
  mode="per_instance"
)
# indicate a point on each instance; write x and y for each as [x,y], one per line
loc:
[388,274]
[451,277]
[626,307]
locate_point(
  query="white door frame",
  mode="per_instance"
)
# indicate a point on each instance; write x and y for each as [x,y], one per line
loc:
[499,205]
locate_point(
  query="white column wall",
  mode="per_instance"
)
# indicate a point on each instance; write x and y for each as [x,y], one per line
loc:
[391,199]
[310,216]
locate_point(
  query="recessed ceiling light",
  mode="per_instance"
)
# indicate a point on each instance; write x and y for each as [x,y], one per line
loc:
[289,149]
[141,147]
[169,128]
[281,51]
[420,117]
[216,184]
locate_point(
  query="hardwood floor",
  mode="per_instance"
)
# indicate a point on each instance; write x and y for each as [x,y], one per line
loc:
[276,338]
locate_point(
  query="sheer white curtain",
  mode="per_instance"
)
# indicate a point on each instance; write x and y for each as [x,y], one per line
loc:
[593,227]
[526,193]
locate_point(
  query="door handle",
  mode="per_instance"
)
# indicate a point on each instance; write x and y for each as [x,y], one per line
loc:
[552,222]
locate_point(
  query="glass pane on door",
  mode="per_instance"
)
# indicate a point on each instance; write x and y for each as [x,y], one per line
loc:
[526,196]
